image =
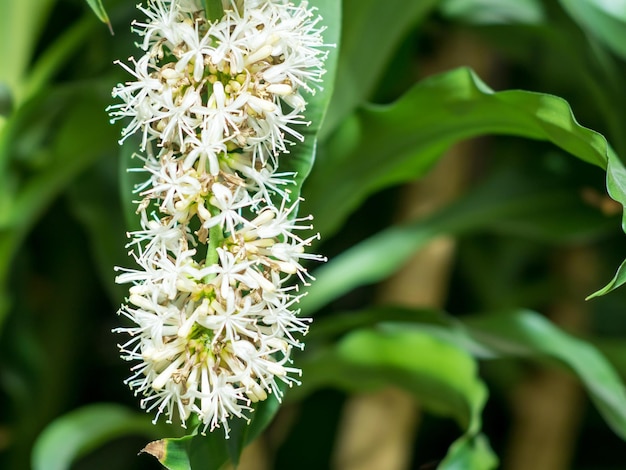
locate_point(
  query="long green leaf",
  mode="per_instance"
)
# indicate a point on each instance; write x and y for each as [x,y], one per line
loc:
[57,54]
[526,333]
[507,200]
[385,145]
[441,375]
[518,334]
[20,25]
[371,31]
[78,432]
[302,155]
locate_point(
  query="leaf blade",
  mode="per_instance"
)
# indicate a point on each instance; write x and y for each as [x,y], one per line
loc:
[605,20]
[212,451]
[516,332]
[363,55]
[367,359]
[505,198]
[385,145]
[76,433]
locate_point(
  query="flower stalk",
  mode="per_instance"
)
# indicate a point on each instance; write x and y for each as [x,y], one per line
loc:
[214,9]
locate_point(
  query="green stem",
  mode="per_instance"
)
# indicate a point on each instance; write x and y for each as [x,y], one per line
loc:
[216,237]
[214,9]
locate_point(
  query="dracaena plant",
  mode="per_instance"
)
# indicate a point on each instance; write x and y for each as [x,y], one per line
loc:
[219,114]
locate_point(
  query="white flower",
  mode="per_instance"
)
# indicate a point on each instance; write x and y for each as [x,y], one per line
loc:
[138,99]
[204,150]
[229,205]
[248,64]
[222,116]
[212,307]
[175,189]
[219,400]
[162,24]
[228,271]
[159,236]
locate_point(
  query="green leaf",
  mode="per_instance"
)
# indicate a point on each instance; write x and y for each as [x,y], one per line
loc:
[402,355]
[494,11]
[92,199]
[98,9]
[20,25]
[520,334]
[385,145]
[302,155]
[77,433]
[56,55]
[53,154]
[526,333]
[508,200]
[435,322]
[618,280]
[131,174]
[372,30]
[212,451]
[604,19]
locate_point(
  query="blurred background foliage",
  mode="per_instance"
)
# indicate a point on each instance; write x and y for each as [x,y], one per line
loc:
[464,228]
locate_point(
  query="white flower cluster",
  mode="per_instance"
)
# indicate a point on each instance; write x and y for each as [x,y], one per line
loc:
[212,302]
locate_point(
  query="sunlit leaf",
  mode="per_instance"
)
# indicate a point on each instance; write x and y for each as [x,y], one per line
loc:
[77,433]
[441,375]
[385,145]
[519,334]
